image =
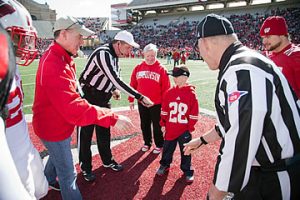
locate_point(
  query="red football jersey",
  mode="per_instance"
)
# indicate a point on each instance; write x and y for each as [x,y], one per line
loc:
[179,111]
[289,61]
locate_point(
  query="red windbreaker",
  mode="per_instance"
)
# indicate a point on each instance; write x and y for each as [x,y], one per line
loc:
[289,60]
[150,80]
[179,111]
[57,107]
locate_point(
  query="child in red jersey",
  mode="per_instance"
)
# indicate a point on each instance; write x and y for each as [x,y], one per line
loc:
[179,114]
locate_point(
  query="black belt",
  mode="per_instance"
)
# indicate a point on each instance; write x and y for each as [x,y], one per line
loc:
[280,165]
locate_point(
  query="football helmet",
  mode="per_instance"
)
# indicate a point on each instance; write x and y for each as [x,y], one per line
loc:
[7,69]
[17,21]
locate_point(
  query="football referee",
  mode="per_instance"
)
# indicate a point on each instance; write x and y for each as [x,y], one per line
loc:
[257,116]
[100,80]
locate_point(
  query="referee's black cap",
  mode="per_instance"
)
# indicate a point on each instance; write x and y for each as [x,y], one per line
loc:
[213,25]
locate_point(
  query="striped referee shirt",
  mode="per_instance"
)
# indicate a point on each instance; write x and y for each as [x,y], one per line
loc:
[258,116]
[102,72]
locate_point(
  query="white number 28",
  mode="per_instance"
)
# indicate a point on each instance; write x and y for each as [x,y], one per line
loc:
[177,113]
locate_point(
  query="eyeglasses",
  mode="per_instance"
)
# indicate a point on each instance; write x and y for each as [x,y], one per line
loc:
[78,21]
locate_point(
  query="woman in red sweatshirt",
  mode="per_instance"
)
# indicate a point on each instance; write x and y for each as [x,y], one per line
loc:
[150,79]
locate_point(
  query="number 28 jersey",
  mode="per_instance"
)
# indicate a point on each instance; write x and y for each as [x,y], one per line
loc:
[179,111]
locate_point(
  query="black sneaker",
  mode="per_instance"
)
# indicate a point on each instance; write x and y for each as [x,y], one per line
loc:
[162,170]
[54,186]
[88,176]
[114,166]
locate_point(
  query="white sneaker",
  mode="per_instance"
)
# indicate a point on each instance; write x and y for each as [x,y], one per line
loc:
[156,150]
[145,148]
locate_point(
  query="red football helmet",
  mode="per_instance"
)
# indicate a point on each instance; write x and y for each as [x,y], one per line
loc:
[17,21]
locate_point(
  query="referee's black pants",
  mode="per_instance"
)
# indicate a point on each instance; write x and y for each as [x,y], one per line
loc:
[151,116]
[103,135]
[272,185]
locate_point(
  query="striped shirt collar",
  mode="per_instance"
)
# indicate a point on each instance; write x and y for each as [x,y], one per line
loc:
[231,50]
[113,53]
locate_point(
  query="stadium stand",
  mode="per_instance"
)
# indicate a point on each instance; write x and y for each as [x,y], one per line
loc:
[175,30]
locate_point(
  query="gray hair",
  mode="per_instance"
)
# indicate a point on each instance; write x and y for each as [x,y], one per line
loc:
[150,47]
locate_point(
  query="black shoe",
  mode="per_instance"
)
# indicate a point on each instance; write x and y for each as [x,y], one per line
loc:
[114,166]
[162,170]
[55,186]
[88,176]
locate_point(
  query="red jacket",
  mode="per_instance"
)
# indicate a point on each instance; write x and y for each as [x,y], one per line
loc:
[57,107]
[179,111]
[289,60]
[150,80]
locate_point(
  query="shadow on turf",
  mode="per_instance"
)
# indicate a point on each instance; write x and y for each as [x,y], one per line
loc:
[156,189]
[110,184]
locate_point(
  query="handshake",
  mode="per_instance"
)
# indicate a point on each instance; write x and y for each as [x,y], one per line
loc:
[145,101]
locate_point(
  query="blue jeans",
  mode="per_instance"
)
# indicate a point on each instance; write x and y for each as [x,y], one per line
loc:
[60,165]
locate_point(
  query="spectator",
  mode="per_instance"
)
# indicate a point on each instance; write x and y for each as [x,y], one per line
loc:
[176,57]
[58,108]
[100,80]
[258,120]
[169,56]
[179,115]
[150,79]
[183,57]
[286,55]
[17,21]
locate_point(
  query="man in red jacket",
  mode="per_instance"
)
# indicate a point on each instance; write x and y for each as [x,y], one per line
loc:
[281,50]
[58,108]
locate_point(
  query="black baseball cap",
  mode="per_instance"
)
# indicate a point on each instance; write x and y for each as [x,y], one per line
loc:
[213,25]
[179,71]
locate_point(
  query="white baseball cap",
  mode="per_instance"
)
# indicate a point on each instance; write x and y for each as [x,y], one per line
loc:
[126,37]
[68,22]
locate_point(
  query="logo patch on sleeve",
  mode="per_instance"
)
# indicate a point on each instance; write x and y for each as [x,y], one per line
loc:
[235,96]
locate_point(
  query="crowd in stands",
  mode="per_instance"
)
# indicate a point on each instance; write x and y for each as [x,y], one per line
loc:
[95,24]
[181,36]
[42,44]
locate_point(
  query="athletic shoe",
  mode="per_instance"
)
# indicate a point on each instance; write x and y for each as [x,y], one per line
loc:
[55,186]
[145,148]
[156,150]
[114,166]
[162,170]
[88,176]
[189,179]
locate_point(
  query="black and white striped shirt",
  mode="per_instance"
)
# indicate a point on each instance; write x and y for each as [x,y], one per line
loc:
[258,115]
[102,72]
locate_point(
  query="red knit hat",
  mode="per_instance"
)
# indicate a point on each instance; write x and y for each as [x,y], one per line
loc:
[274,25]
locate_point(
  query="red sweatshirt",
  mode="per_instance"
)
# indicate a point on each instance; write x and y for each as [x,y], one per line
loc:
[289,60]
[57,107]
[179,111]
[150,80]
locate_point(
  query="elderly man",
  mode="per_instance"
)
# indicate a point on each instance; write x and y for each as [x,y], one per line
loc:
[258,120]
[58,107]
[100,80]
